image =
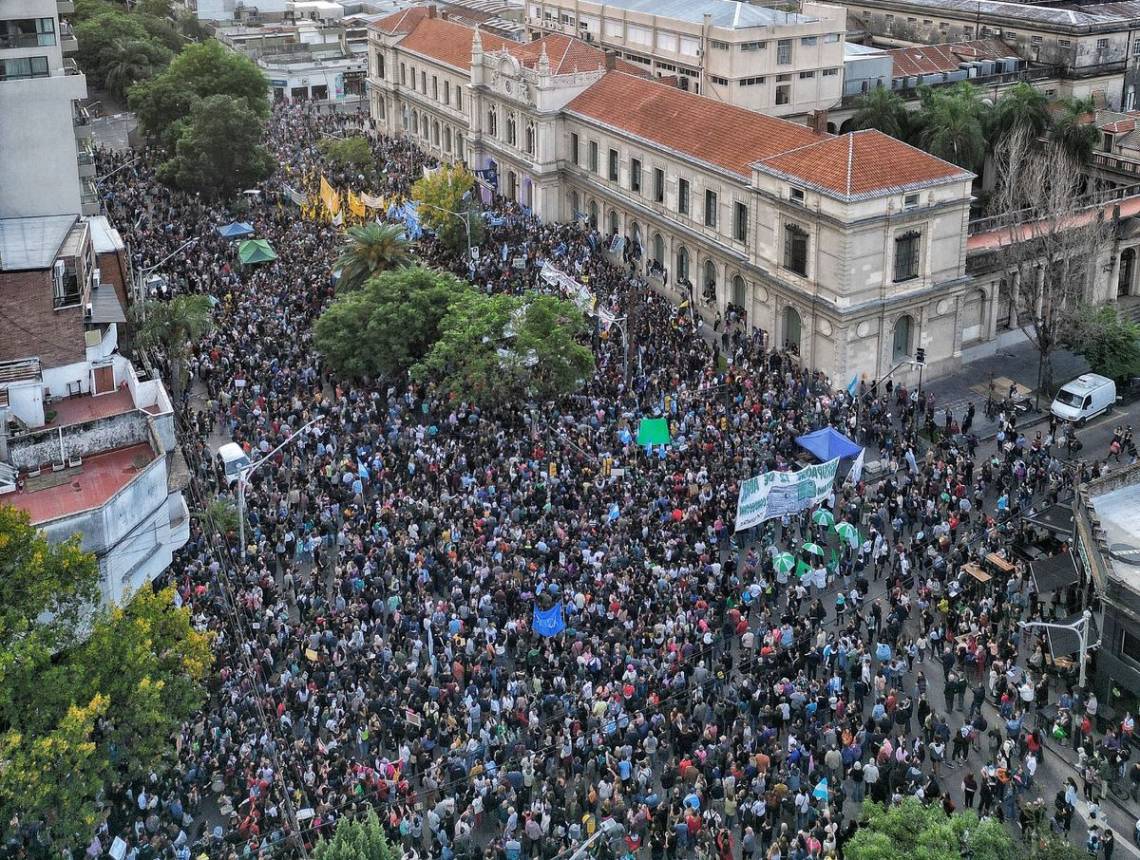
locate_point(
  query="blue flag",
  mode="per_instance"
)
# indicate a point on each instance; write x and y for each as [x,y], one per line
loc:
[548,622]
[854,385]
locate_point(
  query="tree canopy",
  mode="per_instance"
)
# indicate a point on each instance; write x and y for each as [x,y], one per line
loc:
[171,326]
[882,109]
[354,151]
[110,686]
[218,149]
[370,249]
[922,832]
[446,200]
[357,839]
[501,350]
[1109,342]
[389,324]
[200,71]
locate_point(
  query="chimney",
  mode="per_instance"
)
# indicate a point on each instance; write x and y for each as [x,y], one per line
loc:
[611,60]
[443,14]
[431,11]
[818,121]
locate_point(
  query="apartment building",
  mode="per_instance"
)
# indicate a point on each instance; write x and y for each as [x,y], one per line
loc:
[45,157]
[849,249]
[769,60]
[1094,48]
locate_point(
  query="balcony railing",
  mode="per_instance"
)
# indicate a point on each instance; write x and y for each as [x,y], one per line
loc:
[1037,73]
[70,67]
[1116,163]
[27,40]
[1089,201]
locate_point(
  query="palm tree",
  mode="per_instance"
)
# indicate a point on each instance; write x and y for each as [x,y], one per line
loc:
[1020,107]
[951,125]
[370,250]
[171,327]
[881,109]
[1075,131]
[134,60]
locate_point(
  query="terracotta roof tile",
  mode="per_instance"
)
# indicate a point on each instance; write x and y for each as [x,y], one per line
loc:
[861,163]
[722,135]
[449,42]
[403,21]
[932,59]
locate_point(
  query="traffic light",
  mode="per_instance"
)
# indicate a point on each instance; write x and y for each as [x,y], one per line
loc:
[920,356]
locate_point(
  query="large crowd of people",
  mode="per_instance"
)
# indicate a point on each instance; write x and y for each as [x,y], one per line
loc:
[374,645]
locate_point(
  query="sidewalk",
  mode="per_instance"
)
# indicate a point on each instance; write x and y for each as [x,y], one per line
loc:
[1017,363]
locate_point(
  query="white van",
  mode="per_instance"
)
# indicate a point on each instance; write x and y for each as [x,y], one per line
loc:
[1084,397]
[234,460]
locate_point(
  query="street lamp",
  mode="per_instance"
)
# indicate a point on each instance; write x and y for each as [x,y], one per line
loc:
[140,280]
[1081,628]
[464,216]
[243,477]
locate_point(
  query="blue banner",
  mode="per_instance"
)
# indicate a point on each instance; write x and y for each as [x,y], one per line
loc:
[548,622]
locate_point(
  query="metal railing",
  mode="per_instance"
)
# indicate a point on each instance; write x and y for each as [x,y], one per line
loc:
[1036,73]
[1117,163]
[70,67]
[1088,201]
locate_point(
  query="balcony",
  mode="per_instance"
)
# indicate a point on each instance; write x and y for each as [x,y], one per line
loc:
[67,41]
[65,7]
[86,159]
[70,67]
[89,203]
[81,122]
[1116,164]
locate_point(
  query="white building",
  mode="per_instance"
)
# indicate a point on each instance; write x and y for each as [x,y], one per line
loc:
[849,249]
[44,168]
[776,62]
[87,446]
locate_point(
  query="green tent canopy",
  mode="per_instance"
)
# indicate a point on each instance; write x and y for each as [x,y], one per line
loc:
[255,251]
[653,431]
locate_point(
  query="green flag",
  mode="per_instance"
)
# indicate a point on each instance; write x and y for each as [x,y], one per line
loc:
[802,569]
[653,431]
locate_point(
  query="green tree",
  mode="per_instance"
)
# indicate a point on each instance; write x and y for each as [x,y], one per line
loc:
[171,327]
[134,61]
[1109,342]
[218,150]
[447,201]
[370,249]
[108,687]
[388,325]
[357,839]
[882,109]
[220,514]
[950,125]
[501,350]
[101,37]
[347,151]
[200,71]
[1020,108]
[1075,131]
[926,833]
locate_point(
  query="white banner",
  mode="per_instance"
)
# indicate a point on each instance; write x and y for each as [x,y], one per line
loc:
[774,494]
[856,473]
[569,286]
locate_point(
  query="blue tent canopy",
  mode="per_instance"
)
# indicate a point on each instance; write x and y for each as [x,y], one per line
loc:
[236,229]
[827,444]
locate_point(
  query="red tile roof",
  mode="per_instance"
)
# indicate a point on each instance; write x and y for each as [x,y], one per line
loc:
[861,163]
[401,22]
[88,486]
[931,59]
[728,137]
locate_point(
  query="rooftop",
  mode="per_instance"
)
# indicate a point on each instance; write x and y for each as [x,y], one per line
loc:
[853,166]
[104,237]
[53,495]
[86,407]
[32,243]
[729,14]
[1119,513]
[1092,17]
[931,59]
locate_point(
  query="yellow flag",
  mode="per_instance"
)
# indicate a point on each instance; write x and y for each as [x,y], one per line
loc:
[329,197]
[356,206]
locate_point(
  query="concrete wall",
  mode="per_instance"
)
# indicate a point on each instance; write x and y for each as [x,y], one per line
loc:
[78,440]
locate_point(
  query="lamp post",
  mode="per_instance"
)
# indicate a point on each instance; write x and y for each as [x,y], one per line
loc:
[140,279]
[243,477]
[465,217]
[1081,628]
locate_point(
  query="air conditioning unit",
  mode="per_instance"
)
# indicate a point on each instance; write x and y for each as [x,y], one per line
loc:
[88,310]
[57,273]
[96,280]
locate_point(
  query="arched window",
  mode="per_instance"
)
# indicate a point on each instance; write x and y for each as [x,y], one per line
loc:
[903,326]
[435,133]
[511,129]
[447,139]
[459,146]
[406,118]
[613,222]
[424,126]
[709,286]
[593,215]
[574,207]
[658,250]
[492,121]
[682,263]
[531,139]
[791,329]
[739,297]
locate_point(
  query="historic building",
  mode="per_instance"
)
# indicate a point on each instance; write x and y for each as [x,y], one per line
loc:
[851,249]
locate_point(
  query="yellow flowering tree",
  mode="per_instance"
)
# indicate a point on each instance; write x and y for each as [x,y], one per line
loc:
[88,696]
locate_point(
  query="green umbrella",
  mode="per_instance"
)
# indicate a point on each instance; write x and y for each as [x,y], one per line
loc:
[823,517]
[847,531]
[784,562]
[813,548]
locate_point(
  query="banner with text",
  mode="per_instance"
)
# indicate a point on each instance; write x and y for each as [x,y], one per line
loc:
[774,494]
